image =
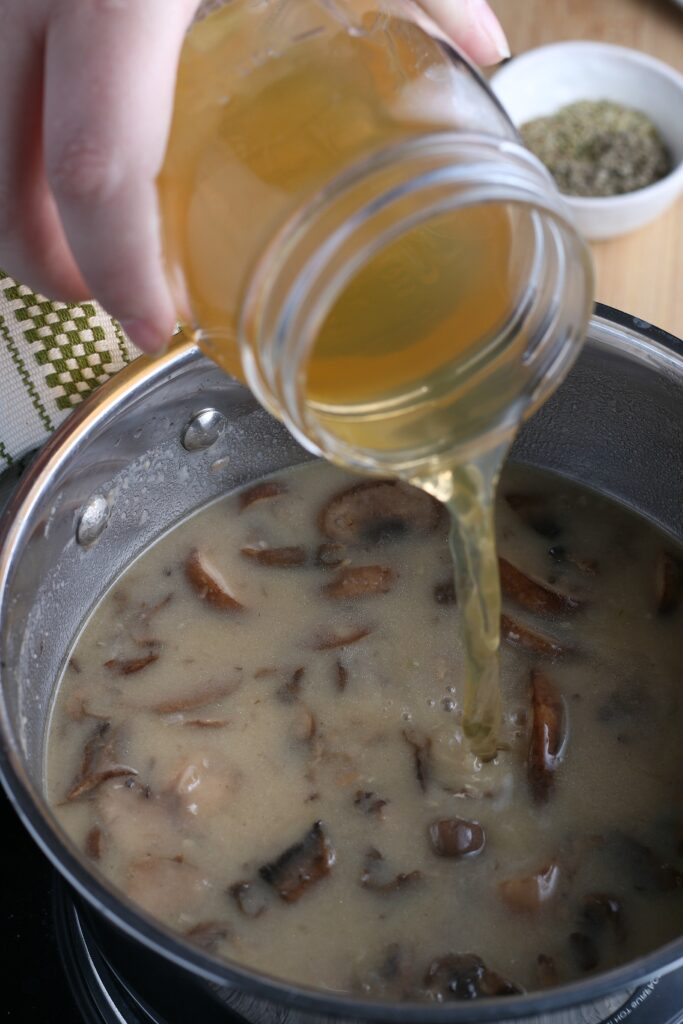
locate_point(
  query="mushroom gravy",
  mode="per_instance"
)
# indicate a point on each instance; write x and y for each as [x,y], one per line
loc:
[258,739]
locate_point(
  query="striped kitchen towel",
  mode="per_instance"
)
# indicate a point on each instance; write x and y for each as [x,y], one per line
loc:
[52,356]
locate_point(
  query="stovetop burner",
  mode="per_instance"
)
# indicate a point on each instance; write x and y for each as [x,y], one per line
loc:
[57,973]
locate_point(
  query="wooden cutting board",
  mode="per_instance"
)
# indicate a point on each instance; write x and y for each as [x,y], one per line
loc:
[641,273]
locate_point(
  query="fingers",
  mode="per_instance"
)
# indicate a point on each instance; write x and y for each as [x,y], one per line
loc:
[473,26]
[32,244]
[110,72]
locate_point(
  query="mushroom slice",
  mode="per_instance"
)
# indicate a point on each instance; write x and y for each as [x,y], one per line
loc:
[456,837]
[547,735]
[360,581]
[518,635]
[668,582]
[547,971]
[379,510]
[196,698]
[301,866]
[98,764]
[342,676]
[532,594]
[421,746]
[530,893]
[330,555]
[331,641]
[291,690]
[86,785]
[209,934]
[374,875]
[532,509]
[465,976]
[444,592]
[208,584]
[600,909]
[129,666]
[369,803]
[249,897]
[93,843]
[278,558]
[261,492]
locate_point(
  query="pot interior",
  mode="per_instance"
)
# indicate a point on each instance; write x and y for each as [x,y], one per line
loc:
[616,425]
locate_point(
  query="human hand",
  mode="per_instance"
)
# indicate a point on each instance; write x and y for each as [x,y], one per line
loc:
[85,108]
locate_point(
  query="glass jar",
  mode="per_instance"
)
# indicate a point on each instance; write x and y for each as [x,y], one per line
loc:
[360,236]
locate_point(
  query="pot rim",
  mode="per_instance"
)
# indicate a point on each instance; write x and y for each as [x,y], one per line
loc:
[609,329]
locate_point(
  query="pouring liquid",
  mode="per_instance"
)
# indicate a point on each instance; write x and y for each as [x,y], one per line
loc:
[394,369]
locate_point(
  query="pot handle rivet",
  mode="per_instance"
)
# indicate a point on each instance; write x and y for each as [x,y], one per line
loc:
[203,430]
[92,520]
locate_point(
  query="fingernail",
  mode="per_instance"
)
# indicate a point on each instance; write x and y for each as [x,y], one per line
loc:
[144,335]
[490,27]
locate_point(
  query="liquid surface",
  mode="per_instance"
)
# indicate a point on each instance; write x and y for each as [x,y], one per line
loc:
[263,756]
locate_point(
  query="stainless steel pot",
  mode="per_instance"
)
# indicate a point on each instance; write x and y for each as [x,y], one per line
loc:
[138,458]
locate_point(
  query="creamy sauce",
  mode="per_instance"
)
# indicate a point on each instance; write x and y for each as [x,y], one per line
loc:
[215,708]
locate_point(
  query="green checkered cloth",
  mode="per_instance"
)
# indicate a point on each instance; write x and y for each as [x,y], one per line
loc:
[52,356]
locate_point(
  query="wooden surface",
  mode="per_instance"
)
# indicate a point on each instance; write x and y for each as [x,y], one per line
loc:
[641,273]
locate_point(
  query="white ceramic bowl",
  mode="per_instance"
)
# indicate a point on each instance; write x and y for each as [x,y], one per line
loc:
[541,81]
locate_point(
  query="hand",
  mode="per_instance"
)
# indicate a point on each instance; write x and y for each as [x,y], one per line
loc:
[85,107]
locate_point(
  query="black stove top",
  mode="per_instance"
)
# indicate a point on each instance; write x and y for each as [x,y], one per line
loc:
[53,970]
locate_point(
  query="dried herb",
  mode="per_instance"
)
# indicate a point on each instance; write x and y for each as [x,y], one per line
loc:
[598,148]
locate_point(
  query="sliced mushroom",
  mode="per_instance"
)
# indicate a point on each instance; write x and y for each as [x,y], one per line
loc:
[459,976]
[530,893]
[369,803]
[301,866]
[379,510]
[374,875]
[600,910]
[341,675]
[584,951]
[547,735]
[206,723]
[360,581]
[94,779]
[93,843]
[209,934]
[532,509]
[278,558]
[208,584]
[456,837]
[98,764]
[668,582]
[261,492]
[421,747]
[330,556]
[444,592]
[200,697]
[532,594]
[518,635]
[250,898]
[129,666]
[547,972]
[331,641]
[291,690]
